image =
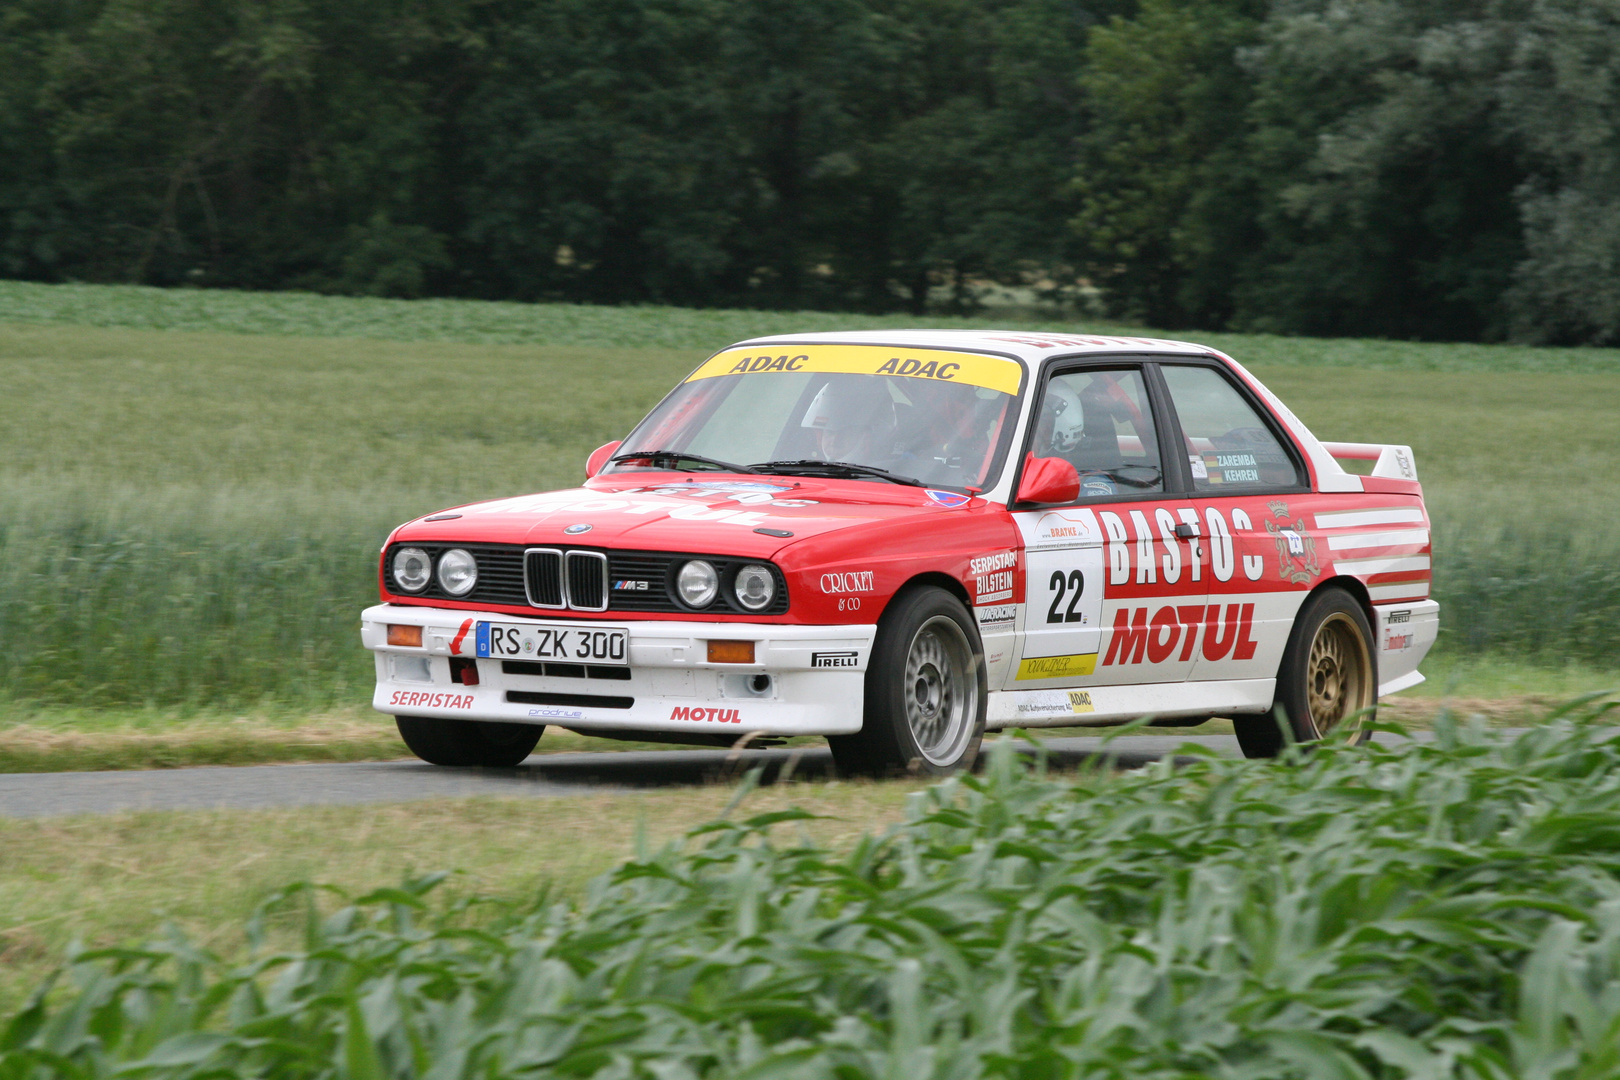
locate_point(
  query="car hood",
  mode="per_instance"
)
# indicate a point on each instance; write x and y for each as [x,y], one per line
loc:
[684,514]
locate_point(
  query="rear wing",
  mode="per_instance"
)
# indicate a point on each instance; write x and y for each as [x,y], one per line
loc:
[1395,462]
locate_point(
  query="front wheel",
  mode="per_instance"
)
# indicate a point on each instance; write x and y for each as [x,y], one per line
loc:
[925,691]
[468,742]
[1327,684]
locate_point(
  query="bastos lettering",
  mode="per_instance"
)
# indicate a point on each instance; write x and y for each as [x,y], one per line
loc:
[1136,637]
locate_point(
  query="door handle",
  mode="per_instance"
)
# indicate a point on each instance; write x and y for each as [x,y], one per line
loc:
[1186,531]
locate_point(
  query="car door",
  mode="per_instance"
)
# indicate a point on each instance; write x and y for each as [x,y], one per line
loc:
[1108,582]
[1254,504]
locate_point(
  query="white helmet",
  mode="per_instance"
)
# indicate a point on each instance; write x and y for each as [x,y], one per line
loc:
[1063,416]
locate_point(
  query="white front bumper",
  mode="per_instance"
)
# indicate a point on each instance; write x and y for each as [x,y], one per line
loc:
[672,686]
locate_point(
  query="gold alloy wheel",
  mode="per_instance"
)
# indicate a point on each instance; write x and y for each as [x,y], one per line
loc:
[1338,679]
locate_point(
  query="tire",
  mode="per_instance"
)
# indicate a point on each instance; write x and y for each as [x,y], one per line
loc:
[1327,684]
[925,691]
[484,743]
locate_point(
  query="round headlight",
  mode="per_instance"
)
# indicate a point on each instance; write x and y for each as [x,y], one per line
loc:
[458,572]
[412,569]
[756,587]
[697,583]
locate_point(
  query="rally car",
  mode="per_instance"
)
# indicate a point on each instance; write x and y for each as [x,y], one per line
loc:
[900,539]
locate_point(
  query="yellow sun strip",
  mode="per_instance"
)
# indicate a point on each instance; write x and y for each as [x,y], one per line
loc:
[975,369]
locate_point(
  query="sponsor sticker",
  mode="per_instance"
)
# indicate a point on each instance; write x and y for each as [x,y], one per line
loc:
[419,699]
[1200,471]
[1397,642]
[1401,616]
[557,714]
[974,369]
[996,614]
[1056,667]
[1071,703]
[840,659]
[993,576]
[1296,548]
[1065,528]
[718,716]
[947,498]
[849,581]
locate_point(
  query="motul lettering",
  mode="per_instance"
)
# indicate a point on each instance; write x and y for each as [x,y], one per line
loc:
[719,716]
[1136,637]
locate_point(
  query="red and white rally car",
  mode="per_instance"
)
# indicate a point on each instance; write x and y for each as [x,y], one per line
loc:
[901,539]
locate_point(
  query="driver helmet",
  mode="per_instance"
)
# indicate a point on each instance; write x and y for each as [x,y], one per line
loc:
[1063,420]
[851,418]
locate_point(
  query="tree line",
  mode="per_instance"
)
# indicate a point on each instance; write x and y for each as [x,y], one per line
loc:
[1404,168]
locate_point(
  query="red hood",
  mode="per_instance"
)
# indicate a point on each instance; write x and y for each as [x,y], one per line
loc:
[687,513]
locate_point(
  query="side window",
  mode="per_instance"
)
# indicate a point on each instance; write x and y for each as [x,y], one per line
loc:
[1100,422]
[1228,445]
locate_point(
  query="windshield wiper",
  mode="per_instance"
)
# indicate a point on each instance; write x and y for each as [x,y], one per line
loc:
[675,457]
[810,466]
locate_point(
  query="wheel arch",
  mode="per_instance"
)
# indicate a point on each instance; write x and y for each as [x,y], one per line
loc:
[1358,591]
[937,579]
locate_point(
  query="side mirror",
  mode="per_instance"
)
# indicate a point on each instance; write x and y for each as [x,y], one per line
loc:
[599,457]
[1048,480]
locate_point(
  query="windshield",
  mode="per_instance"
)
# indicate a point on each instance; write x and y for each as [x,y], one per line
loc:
[942,418]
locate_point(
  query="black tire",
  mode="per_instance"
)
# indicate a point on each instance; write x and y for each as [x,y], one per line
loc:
[484,743]
[926,691]
[1327,684]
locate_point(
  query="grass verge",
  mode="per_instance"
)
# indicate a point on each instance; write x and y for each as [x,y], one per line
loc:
[1442,909]
[117,880]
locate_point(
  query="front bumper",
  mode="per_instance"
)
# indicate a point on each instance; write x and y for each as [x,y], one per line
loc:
[672,687]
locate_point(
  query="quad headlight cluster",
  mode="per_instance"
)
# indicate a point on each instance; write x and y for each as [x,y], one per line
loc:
[457,570]
[698,584]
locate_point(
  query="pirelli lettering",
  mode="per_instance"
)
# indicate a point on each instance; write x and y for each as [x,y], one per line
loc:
[938,365]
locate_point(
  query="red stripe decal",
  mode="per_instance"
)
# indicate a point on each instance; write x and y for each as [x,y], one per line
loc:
[455,642]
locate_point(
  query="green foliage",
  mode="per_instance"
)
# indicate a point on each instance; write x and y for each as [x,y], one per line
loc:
[1449,909]
[192,519]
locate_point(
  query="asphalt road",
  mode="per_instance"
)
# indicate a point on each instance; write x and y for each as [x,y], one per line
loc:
[541,776]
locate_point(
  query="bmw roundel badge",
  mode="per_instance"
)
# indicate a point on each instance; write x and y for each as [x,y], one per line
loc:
[575,530]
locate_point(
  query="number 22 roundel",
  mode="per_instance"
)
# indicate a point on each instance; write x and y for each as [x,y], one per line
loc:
[1063,591]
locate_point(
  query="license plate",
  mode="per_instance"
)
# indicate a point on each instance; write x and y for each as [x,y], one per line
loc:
[539,641]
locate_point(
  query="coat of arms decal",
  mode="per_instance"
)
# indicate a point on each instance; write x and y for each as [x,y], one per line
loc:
[1296,548]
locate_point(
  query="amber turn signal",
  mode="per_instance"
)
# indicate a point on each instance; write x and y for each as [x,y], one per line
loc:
[731,652]
[408,636]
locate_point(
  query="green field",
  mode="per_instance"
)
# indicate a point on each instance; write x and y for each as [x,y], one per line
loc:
[196,483]
[1444,910]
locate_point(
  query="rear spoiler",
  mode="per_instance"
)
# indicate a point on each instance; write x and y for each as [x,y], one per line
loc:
[1392,461]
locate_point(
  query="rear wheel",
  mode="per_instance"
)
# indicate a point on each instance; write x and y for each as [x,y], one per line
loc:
[468,742]
[1327,685]
[925,691]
